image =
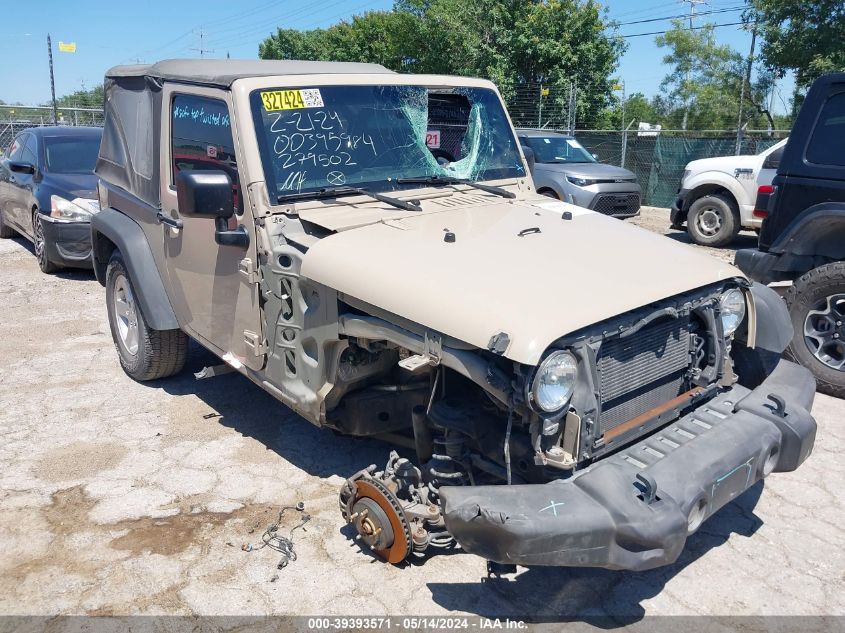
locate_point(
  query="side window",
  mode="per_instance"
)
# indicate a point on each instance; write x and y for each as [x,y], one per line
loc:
[16,148]
[28,151]
[201,138]
[826,143]
[773,160]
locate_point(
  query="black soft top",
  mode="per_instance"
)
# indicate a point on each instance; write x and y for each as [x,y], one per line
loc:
[130,147]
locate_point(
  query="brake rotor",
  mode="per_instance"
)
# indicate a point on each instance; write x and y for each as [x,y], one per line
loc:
[380,520]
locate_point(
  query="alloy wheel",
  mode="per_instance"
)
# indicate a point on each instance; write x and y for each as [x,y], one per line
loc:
[824,331]
[38,244]
[125,314]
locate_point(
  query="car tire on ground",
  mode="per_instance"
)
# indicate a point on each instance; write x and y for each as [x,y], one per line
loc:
[145,353]
[550,193]
[816,303]
[38,243]
[5,230]
[713,221]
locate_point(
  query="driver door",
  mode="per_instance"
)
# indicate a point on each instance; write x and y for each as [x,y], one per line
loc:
[214,288]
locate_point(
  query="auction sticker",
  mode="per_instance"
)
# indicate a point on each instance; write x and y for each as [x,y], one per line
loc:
[275,100]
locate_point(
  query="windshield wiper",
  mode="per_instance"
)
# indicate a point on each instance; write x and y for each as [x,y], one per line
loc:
[334,192]
[448,180]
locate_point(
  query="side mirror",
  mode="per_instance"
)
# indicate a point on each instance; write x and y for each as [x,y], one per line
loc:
[205,194]
[596,156]
[21,167]
[208,194]
[529,157]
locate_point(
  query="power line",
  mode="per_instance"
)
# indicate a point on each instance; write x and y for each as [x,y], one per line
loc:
[694,28]
[676,17]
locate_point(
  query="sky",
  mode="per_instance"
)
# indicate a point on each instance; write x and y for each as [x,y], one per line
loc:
[110,32]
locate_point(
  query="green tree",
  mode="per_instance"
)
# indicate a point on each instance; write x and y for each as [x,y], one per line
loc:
[804,36]
[512,42]
[703,89]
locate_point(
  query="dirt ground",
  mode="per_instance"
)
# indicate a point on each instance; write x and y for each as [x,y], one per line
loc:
[122,498]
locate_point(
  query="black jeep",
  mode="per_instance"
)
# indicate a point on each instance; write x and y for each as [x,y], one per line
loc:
[803,233]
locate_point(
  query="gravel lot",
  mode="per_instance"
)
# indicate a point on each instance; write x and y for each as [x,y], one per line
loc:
[119,498]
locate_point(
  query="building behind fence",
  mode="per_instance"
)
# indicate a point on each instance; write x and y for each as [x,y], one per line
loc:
[658,160]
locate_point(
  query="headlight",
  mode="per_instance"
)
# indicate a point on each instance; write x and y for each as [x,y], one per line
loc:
[555,381]
[732,308]
[581,182]
[76,210]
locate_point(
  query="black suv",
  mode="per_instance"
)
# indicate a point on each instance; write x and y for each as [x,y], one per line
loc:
[803,233]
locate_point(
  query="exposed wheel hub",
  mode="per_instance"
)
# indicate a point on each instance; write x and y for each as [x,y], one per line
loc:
[824,332]
[393,511]
[372,524]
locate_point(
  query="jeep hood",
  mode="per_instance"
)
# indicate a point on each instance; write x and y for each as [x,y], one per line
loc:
[514,266]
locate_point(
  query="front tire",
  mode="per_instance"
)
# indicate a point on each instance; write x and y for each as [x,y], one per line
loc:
[713,221]
[38,243]
[816,303]
[145,353]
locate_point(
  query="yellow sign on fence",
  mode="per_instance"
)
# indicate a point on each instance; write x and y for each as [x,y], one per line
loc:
[67,47]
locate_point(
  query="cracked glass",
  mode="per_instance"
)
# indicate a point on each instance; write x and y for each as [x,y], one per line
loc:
[369,136]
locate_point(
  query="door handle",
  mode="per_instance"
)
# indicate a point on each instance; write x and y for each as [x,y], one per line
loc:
[174,223]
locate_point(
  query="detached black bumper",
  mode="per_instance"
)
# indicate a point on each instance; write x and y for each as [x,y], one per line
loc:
[678,210]
[68,243]
[602,517]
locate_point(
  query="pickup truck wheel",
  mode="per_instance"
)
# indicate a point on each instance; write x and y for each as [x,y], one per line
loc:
[145,353]
[816,303]
[713,221]
[5,230]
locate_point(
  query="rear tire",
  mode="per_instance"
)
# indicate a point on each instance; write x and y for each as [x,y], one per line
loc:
[816,303]
[145,353]
[5,230]
[713,221]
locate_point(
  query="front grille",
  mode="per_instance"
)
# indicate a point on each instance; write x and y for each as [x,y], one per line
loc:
[642,371]
[617,204]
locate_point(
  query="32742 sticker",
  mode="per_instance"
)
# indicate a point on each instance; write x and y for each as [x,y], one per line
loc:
[275,100]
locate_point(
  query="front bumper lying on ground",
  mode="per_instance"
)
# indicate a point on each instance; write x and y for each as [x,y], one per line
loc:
[68,243]
[634,510]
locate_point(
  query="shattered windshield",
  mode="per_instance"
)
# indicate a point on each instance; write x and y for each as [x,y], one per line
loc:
[558,149]
[370,136]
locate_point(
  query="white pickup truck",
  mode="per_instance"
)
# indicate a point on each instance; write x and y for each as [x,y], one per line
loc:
[716,195]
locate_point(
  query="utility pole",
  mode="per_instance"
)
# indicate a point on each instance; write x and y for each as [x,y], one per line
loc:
[202,50]
[692,5]
[745,79]
[52,80]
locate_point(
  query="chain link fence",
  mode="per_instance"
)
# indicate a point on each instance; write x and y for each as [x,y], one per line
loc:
[536,105]
[16,118]
[658,160]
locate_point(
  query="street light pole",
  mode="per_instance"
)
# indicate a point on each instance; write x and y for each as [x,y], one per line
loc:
[52,80]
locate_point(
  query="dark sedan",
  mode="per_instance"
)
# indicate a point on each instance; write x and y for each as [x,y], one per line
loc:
[48,193]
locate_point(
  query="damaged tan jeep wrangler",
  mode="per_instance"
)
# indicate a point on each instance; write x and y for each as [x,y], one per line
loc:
[368,247]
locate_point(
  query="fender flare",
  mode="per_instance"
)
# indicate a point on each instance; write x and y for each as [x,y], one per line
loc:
[715,179]
[815,232]
[111,230]
[773,326]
